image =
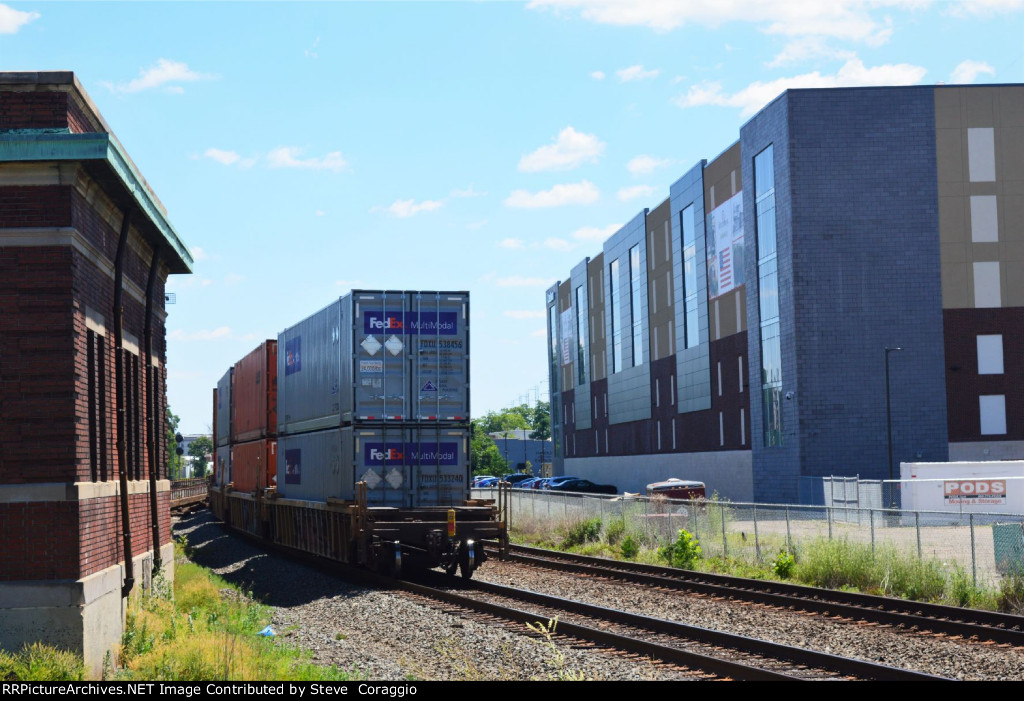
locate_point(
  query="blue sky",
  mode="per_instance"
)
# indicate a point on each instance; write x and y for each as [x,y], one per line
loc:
[303,149]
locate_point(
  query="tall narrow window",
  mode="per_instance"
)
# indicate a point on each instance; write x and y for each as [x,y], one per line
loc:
[581,336]
[553,332]
[768,297]
[691,323]
[636,304]
[616,317]
[91,362]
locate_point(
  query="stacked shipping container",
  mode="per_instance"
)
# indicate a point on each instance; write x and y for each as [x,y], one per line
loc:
[375,388]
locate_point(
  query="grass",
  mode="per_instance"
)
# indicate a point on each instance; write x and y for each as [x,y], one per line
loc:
[208,631]
[833,564]
[37,662]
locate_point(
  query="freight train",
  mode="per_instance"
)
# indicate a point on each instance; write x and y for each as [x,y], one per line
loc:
[347,437]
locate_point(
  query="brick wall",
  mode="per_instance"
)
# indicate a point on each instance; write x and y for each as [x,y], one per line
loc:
[35,206]
[33,110]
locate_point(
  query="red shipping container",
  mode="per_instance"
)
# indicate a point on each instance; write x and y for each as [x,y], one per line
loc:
[254,465]
[254,395]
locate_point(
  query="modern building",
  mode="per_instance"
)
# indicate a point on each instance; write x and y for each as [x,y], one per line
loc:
[85,250]
[739,332]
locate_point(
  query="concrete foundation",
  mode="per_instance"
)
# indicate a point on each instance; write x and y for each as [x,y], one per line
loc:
[730,472]
[85,616]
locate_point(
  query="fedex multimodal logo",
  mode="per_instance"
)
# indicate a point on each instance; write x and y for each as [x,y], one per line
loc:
[411,323]
[412,453]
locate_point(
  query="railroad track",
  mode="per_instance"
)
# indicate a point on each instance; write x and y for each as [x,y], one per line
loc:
[924,617]
[700,650]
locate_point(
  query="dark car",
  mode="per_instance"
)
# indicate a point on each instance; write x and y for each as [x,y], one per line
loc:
[584,486]
[516,478]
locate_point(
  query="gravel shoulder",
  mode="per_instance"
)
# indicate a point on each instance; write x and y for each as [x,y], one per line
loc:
[947,657]
[387,636]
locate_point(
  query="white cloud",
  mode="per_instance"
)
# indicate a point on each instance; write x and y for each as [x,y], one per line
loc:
[474,225]
[198,253]
[403,209]
[631,193]
[571,149]
[643,165]
[846,19]
[466,192]
[984,8]
[584,192]
[756,95]
[219,333]
[511,244]
[288,157]
[597,75]
[556,244]
[12,20]
[320,212]
[524,314]
[224,157]
[592,233]
[807,48]
[968,72]
[165,72]
[539,333]
[635,73]
[520,281]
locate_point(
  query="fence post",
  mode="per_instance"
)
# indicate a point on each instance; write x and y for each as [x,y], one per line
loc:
[789,535]
[871,517]
[647,520]
[828,512]
[917,527]
[757,542]
[974,560]
[693,517]
[725,544]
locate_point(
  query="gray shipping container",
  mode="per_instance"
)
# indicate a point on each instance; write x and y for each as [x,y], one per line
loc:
[223,468]
[411,465]
[224,405]
[376,356]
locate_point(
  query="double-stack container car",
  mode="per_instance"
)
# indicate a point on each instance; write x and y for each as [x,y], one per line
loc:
[372,400]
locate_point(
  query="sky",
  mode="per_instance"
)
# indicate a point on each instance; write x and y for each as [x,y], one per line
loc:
[305,149]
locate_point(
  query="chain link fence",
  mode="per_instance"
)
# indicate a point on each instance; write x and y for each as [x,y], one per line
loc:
[986,545]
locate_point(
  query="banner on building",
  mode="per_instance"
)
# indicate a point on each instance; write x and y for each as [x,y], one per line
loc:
[725,247]
[566,336]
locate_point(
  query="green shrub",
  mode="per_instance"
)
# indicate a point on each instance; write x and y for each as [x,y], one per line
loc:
[783,564]
[683,553]
[629,547]
[615,530]
[1011,593]
[580,532]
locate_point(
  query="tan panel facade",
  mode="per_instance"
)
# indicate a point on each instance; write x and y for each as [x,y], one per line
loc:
[598,343]
[660,299]
[980,163]
[723,180]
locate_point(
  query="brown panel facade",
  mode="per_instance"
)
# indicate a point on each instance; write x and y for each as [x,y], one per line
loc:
[963,383]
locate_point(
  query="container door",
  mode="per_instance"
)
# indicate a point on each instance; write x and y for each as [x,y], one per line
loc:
[381,334]
[440,358]
[439,456]
[381,460]
[309,373]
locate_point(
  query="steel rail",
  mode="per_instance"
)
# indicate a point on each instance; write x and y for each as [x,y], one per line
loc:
[937,618]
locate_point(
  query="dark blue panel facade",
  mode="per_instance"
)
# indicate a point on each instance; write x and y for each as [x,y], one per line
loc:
[858,255]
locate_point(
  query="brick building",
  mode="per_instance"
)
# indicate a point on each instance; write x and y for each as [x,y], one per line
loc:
[737,332]
[85,250]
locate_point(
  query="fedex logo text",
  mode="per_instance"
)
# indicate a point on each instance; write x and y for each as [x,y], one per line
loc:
[378,453]
[411,323]
[446,454]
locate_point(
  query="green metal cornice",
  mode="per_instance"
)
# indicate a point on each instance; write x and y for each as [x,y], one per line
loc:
[99,148]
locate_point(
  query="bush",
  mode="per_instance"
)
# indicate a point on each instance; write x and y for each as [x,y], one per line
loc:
[38,662]
[586,531]
[1011,593]
[683,553]
[783,564]
[838,563]
[615,530]
[629,548]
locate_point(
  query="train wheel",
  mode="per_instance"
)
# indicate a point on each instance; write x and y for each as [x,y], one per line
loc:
[468,561]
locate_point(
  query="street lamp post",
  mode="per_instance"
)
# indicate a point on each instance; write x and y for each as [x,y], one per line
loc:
[888,421]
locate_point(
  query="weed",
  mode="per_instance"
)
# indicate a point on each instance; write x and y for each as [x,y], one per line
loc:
[629,548]
[38,662]
[580,532]
[1011,593]
[783,564]
[615,530]
[683,553]
[557,663]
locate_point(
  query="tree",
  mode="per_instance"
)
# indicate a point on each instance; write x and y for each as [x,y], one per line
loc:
[541,422]
[201,450]
[484,454]
[505,420]
[173,459]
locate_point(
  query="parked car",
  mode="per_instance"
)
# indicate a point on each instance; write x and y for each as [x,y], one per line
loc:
[517,478]
[539,482]
[675,488]
[584,486]
[480,478]
[552,481]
